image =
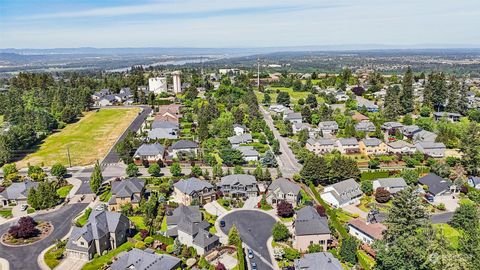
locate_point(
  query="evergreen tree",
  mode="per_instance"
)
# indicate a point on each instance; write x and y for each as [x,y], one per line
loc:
[348,250]
[233,236]
[96,178]
[406,94]
[392,107]
[266,99]
[269,160]
[470,148]
[315,170]
[132,170]
[454,98]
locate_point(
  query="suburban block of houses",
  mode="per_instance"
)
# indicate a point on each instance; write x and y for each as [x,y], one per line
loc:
[193,189]
[310,228]
[342,193]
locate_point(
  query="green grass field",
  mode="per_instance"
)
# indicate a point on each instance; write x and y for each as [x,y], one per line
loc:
[88,140]
[294,96]
[63,191]
[138,221]
[99,262]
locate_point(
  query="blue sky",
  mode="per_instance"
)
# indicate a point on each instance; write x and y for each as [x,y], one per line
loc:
[236,23]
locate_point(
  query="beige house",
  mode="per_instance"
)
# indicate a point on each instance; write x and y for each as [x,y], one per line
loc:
[320,146]
[310,228]
[188,190]
[372,146]
[126,191]
[283,189]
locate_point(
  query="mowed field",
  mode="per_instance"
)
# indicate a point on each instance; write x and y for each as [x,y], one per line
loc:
[294,96]
[88,139]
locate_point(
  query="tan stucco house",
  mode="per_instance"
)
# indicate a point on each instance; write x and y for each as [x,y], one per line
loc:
[310,228]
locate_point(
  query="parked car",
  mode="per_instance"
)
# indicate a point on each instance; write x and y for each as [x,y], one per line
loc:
[222,223]
[250,254]
[254,266]
[23,207]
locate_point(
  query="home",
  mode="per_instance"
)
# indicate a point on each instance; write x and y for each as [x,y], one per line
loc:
[318,261]
[184,148]
[400,147]
[293,117]
[366,232]
[436,185]
[278,108]
[236,140]
[391,127]
[342,193]
[283,189]
[372,146]
[171,110]
[297,127]
[188,226]
[104,231]
[321,146]
[452,117]
[153,153]
[144,260]
[126,191]
[193,190]
[474,181]
[165,125]
[424,136]
[239,185]
[16,193]
[157,85]
[363,103]
[163,133]
[432,149]
[249,153]
[341,97]
[99,94]
[310,228]
[167,117]
[348,146]
[409,131]
[393,185]
[359,117]
[365,126]
[328,128]
[108,100]
[239,129]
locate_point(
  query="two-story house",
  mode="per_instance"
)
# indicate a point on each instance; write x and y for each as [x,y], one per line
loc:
[126,191]
[348,146]
[342,193]
[328,128]
[372,146]
[193,189]
[320,146]
[365,126]
[283,189]
[239,185]
[310,228]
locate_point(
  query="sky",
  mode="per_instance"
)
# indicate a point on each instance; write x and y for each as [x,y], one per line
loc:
[237,23]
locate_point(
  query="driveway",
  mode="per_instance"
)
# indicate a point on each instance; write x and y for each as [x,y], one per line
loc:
[353,209]
[255,227]
[26,257]
[450,203]
[71,264]
[213,208]
[251,202]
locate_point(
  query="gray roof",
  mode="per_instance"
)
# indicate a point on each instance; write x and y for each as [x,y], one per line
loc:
[475,180]
[328,125]
[345,191]
[399,144]
[185,144]
[394,184]
[126,188]
[448,114]
[190,185]
[411,129]
[365,126]
[243,138]
[321,141]
[18,190]
[348,141]
[286,186]
[204,239]
[300,126]
[372,142]
[248,151]
[163,133]
[435,183]
[390,125]
[143,260]
[240,126]
[164,124]
[293,116]
[243,179]
[309,222]
[182,211]
[150,150]
[424,136]
[318,261]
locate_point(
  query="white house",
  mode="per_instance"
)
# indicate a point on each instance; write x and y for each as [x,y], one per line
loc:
[320,146]
[248,153]
[393,185]
[342,193]
[157,85]
[293,117]
[366,232]
[348,145]
[239,129]
[400,147]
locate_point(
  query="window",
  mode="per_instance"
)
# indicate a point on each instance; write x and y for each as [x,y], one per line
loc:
[311,242]
[321,242]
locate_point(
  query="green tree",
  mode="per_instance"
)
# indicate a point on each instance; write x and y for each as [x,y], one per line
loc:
[410,176]
[231,157]
[280,232]
[154,170]
[238,170]
[315,170]
[470,148]
[348,250]
[175,169]
[283,98]
[276,147]
[367,187]
[196,171]
[465,216]
[96,178]
[406,94]
[392,106]
[132,170]
[234,236]
[58,170]
[267,99]
[313,248]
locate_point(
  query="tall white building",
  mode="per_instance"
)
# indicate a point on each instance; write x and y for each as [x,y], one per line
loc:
[157,85]
[177,84]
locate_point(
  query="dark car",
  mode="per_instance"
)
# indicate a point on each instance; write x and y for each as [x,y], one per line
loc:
[250,254]
[254,266]
[222,223]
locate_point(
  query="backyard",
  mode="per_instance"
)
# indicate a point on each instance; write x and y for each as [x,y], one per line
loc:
[87,140]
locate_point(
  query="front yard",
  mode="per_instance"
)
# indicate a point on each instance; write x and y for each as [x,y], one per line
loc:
[99,262]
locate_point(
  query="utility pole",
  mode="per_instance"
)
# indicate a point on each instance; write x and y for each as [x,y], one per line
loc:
[68,155]
[258,73]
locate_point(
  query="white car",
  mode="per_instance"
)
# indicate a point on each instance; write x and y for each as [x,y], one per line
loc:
[23,207]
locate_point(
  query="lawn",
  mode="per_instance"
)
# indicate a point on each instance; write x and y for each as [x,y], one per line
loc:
[451,234]
[52,255]
[84,218]
[294,96]
[97,263]
[364,260]
[105,196]
[63,191]
[138,221]
[88,140]
[6,213]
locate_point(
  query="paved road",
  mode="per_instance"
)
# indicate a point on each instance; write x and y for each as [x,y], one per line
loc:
[255,227]
[26,257]
[112,156]
[288,164]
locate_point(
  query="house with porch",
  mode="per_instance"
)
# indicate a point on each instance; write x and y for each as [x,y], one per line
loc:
[239,185]
[130,190]
[192,189]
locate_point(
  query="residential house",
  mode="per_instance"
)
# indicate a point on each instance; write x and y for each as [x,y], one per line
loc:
[236,140]
[153,153]
[297,127]
[366,232]
[452,117]
[474,181]
[249,153]
[126,191]
[359,117]
[165,125]
[16,193]
[293,117]
[409,131]
[365,126]
[184,148]
[239,185]
[278,109]
[391,127]
[283,189]
[310,228]
[193,189]
[400,147]
[188,226]
[363,103]
[432,149]
[239,129]
[108,100]
[137,259]
[342,193]
[436,185]
[104,231]
[372,146]
[424,136]
[328,128]
[341,97]
[393,185]
[320,146]
[163,133]
[318,261]
[348,146]
[99,94]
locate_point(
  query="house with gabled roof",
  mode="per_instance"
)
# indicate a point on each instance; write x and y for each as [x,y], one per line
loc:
[184,148]
[138,259]
[393,185]
[310,228]
[424,136]
[282,189]
[130,190]
[409,131]
[239,129]
[400,147]
[16,193]
[318,261]
[320,146]
[342,193]
[432,149]
[236,140]
[239,185]
[348,146]
[452,117]
[366,232]
[293,117]
[391,127]
[192,189]
[104,231]
[152,153]
[249,153]
[328,128]
[365,126]
[436,185]
[372,146]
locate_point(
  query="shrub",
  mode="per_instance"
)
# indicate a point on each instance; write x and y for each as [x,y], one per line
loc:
[154,170]
[382,195]
[441,206]
[220,266]
[366,187]
[321,210]
[143,233]
[285,209]
[148,240]
[280,232]
[140,245]
[26,228]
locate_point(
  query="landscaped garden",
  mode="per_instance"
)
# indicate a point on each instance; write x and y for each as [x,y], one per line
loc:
[53,256]
[27,231]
